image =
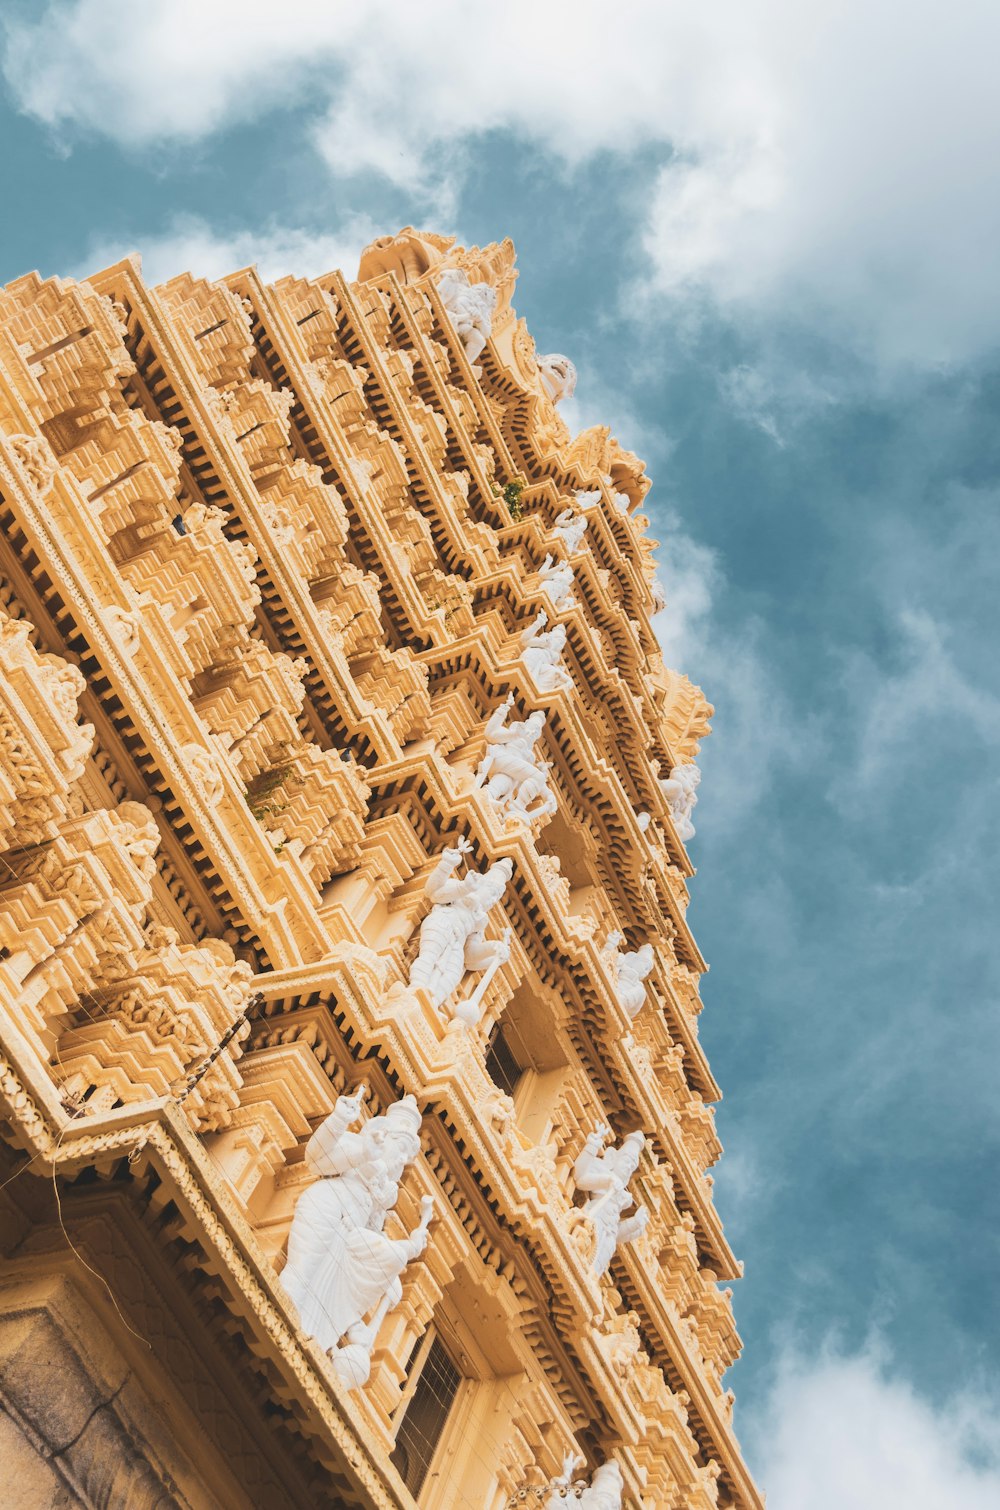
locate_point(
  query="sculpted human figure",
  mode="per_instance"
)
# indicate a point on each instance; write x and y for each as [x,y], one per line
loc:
[680,789]
[629,971]
[515,778]
[452,934]
[606,1176]
[341,1267]
[603,1493]
[557,581]
[541,653]
[470,307]
[572,527]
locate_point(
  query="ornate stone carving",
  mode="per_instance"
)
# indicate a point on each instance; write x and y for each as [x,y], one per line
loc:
[605,1177]
[452,935]
[557,581]
[511,773]
[558,376]
[629,971]
[341,1267]
[572,527]
[680,789]
[470,308]
[541,653]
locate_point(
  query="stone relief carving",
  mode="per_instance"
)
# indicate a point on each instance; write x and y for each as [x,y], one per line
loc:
[557,581]
[452,935]
[470,308]
[541,654]
[511,773]
[680,789]
[341,1267]
[558,376]
[605,1176]
[629,971]
[572,527]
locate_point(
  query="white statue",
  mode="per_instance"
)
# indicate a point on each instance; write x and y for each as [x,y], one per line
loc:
[629,972]
[572,527]
[341,1266]
[606,1489]
[588,500]
[557,581]
[605,1176]
[541,654]
[558,376]
[470,308]
[659,595]
[451,935]
[512,774]
[604,1492]
[680,789]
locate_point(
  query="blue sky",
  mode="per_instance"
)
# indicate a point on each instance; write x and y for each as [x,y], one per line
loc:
[766,234]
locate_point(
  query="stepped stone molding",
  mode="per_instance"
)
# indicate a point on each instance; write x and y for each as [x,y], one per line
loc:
[348,1000]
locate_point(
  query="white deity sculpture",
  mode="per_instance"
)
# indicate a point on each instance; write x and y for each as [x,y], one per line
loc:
[603,1493]
[680,789]
[588,500]
[605,1176]
[513,776]
[557,581]
[572,527]
[629,971]
[659,595]
[341,1266]
[452,934]
[470,308]
[541,654]
[558,376]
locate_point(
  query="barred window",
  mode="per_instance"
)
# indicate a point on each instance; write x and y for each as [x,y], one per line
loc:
[502,1064]
[431,1395]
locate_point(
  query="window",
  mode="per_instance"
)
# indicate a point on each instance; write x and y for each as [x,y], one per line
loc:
[502,1064]
[425,1414]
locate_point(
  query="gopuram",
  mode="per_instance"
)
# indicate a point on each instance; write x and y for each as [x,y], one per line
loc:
[355,1125]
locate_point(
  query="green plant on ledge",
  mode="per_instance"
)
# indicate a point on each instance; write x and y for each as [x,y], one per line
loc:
[512,498]
[263,787]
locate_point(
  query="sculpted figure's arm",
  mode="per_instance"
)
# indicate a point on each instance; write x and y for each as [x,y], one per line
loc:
[440,887]
[480,952]
[589,1171]
[332,1150]
[497,731]
[632,1226]
[534,628]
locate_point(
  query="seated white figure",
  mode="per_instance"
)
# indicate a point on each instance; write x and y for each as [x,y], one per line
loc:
[572,527]
[680,789]
[605,1176]
[557,581]
[470,308]
[513,776]
[603,1493]
[629,972]
[452,937]
[541,654]
[588,500]
[341,1267]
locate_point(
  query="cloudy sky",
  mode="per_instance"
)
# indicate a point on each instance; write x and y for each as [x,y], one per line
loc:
[766,233]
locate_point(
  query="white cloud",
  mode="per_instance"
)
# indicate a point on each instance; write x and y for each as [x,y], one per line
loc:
[757,735]
[907,704]
[840,1433]
[190,245]
[838,155]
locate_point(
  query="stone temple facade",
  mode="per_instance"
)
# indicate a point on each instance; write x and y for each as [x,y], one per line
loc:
[355,1124]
